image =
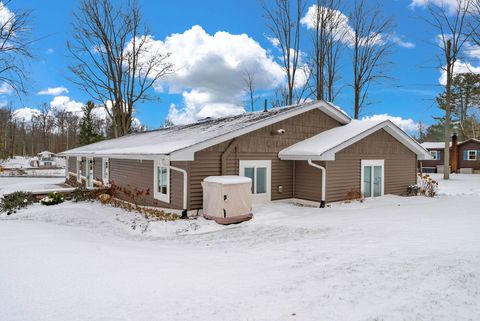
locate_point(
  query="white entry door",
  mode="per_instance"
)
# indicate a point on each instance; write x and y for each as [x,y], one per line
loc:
[372,184]
[260,173]
[89,172]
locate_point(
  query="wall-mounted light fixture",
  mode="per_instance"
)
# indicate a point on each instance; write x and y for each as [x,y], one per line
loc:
[280,131]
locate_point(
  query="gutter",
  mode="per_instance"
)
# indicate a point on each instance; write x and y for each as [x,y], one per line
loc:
[324,180]
[185,189]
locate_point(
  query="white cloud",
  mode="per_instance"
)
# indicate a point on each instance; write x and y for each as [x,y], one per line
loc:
[408,125]
[460,67]
[401,42]
[6,16]
[208,72]
[65,103]
[5,89]
[472,50]
[343,32]
[450,5]
[55,91]
[26,114]
[49,51]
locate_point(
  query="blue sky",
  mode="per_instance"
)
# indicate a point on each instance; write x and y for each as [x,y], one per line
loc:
[409,94]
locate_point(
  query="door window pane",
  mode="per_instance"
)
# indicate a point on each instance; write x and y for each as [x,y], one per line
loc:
[250,172]
[162,180]
[377,181]
[367,181]
[261,180]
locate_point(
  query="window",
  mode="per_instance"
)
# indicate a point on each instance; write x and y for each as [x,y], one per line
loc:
[105,171]
[471,155]
[259,172]
[435,154]
[162,181]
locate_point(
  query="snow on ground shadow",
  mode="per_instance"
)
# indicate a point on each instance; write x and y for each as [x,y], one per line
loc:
[390,258]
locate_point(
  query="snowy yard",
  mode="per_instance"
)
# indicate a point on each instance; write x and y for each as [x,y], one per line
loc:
[390,258]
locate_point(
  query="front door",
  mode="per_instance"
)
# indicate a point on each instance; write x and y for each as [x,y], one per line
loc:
[372,178]
[260,173]
[89,172]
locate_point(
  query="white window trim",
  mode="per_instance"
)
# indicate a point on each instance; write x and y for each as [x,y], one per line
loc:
[79,169]
[372,162]
[157,195]
[105,178]
[263,197]
[89,172]
[468,155]
[437,154]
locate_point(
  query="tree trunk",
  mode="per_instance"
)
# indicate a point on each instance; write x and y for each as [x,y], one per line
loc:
[446,160]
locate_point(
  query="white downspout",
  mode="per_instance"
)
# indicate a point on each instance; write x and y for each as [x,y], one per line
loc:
[185,188]
[324,180]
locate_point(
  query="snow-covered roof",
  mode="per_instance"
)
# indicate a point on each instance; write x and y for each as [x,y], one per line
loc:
[181,142]
[324,145]
[434,145]
[228,179]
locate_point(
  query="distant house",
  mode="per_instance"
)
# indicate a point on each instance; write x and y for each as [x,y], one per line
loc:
[464,156]
[43,159]
[312,153]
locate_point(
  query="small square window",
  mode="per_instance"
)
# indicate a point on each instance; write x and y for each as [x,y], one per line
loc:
[435,154]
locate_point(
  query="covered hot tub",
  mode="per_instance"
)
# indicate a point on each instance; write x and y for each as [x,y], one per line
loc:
[227,199]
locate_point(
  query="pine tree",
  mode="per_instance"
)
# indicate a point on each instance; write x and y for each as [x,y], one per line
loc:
[88,133]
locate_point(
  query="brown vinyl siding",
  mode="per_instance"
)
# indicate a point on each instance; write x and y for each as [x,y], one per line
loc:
[470,145]
[259,145]
[308,181]
[138,175]
[434,163]
[344,174]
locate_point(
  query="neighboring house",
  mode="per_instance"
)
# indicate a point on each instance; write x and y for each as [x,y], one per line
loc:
[311,152]
[43,159]
[464,156]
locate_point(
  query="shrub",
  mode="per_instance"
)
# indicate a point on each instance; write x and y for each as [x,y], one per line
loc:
[10,203]
[428,186]
[52,199]
[82,194]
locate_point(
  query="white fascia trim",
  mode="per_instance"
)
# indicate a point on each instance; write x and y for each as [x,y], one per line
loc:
[391,128]
[187,154]
[121,156]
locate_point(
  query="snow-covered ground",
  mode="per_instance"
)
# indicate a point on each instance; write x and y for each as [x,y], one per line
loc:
[389,258]
[20,166]
[29,184]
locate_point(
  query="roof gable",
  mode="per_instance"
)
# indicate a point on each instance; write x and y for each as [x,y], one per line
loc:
[325,145]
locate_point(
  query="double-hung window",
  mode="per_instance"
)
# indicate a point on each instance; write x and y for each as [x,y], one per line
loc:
[435,154]
[162,181]
[471,155]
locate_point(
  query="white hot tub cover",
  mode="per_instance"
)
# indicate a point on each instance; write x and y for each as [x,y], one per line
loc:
[227,199]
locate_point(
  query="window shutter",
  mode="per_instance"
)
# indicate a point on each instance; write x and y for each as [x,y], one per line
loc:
[465,155]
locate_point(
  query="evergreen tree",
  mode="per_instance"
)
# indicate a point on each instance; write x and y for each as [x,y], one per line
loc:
[88,133]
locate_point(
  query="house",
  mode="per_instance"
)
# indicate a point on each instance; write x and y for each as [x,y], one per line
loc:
[464,156]
[43,159]
[311,152]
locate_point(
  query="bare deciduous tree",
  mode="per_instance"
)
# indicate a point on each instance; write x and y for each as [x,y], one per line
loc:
[371,47]
[327,38]
[283,21]
[454,32]
[14,47]
[114,60]
[249,84]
